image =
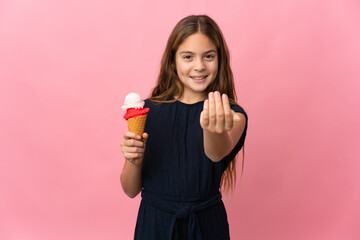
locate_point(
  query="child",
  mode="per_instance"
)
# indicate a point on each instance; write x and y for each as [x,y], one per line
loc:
[193,132]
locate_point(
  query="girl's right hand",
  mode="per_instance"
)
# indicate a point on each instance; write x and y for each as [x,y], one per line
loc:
[132,147]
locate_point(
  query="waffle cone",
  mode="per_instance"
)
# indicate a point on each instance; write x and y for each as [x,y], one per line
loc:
[137,125]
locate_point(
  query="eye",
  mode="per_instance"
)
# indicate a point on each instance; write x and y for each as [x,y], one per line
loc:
[209,56]
[187,57]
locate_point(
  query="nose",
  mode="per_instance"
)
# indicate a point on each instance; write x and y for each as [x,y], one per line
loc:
[199,64]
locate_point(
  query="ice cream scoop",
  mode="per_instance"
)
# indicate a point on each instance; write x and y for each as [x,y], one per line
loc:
[133,100]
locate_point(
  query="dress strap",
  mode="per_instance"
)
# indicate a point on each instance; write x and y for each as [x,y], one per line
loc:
[180,212]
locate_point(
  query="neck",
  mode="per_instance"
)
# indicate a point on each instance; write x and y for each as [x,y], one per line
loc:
[190,99]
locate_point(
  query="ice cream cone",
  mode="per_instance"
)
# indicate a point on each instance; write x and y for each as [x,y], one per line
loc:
[135,114]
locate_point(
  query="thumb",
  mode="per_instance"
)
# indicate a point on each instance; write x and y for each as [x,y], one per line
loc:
[145,137]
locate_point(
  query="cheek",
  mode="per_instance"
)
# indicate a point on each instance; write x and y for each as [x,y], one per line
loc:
[182,69]
[214,68]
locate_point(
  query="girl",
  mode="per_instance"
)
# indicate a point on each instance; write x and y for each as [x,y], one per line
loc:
[194,130]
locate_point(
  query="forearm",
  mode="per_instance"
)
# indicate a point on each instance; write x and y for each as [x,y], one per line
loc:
[130,179]
[217,145]
[222,127]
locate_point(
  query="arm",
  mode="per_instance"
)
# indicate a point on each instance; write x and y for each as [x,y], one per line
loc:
[132,148]
[222,127]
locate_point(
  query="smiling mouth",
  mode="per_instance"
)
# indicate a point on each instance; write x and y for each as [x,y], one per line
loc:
[199,78]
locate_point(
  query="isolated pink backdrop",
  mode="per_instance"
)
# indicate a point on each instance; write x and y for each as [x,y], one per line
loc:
[65,67]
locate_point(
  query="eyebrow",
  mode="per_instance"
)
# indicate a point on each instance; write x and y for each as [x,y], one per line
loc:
[189,52]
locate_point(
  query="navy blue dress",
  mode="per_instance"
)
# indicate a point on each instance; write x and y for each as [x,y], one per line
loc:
[180,196]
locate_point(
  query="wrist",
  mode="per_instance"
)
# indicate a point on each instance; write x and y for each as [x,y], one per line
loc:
[135,162]
[214,133]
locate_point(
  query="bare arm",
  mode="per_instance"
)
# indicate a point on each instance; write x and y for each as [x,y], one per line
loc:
[132,148]
[222,127]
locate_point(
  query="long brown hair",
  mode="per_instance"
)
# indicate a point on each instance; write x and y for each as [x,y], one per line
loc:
[169,84]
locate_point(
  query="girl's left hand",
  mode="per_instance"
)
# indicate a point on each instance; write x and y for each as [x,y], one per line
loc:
[217,116]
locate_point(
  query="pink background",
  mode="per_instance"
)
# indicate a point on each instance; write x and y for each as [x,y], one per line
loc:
[65,67]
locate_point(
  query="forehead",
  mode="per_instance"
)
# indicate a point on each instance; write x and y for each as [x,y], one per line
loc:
[197,43]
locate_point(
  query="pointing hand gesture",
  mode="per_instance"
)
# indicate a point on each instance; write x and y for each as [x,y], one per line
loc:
[217,116]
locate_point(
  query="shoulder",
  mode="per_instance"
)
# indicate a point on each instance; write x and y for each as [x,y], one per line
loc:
[158,107]
[238,109]
[150,104]
[157,104]
[147,103]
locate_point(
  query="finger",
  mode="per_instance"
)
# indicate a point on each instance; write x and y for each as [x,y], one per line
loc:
[145,138]
[131,135]
[132,156]
[132,143]
[131,150]
[134,149]
[220,119]
[212,111]
[228,113]
[204,116]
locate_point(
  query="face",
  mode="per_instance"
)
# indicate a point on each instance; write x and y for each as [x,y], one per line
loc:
[196,65]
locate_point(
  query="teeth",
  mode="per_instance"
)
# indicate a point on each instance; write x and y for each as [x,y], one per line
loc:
[198,77]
